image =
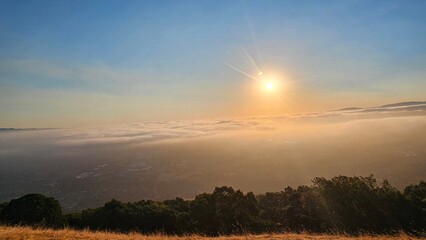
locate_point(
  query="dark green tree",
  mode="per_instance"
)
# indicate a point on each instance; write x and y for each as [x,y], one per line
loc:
[203,215]
[3,205]
[301,209]
[33,209]
[360,204]
[416,193]
[416,197]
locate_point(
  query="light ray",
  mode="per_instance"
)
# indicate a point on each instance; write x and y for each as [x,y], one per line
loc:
[251,30]
[283,102]
[242,72]
[251,60]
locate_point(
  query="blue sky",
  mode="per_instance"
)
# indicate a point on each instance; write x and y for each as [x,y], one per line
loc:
[82,62]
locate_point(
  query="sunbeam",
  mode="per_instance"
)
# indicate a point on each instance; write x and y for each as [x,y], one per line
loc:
[242,72]
[251,60]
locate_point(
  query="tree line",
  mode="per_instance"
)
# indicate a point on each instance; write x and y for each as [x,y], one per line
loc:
[350,205]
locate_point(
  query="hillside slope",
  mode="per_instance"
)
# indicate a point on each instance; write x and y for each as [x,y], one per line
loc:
[26,233]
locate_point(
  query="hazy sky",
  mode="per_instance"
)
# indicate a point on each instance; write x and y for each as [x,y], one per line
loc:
[73,63]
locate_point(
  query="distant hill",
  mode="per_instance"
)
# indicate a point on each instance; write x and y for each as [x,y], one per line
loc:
[348,109]
[413,105]
[23,129]
[402,104]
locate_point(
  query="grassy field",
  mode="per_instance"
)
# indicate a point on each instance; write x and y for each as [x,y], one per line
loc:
[25,233]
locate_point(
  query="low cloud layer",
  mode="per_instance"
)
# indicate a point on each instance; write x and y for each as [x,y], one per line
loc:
[175,130]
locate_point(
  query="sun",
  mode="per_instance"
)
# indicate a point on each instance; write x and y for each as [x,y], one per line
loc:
[269,85]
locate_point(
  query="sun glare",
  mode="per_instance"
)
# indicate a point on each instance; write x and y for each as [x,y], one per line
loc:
[269,85]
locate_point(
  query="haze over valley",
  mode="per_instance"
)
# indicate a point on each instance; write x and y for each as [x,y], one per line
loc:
[161,160]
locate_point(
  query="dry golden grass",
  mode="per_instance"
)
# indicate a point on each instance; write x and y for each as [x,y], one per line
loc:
[26,233]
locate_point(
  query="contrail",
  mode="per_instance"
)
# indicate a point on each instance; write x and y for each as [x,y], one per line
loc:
[242,72]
